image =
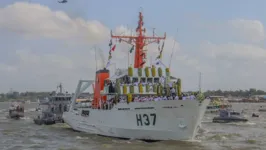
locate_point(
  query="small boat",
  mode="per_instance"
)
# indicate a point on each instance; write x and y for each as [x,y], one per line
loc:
[255,115]
[38,109]
[262,109]
[227,116]
[47,118]
[16,110]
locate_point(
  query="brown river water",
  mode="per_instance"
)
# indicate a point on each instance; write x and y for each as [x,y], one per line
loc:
[23,134]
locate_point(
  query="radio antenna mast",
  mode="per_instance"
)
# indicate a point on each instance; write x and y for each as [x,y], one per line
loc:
[200,82]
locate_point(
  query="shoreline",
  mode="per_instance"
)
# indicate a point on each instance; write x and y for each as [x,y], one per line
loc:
[247,101]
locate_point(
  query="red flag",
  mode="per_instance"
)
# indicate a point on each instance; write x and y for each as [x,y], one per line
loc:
[113,48]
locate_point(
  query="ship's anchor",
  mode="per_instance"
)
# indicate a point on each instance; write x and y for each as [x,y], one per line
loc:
[182,125]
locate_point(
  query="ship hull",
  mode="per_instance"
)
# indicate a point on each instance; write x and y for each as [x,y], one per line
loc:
[16,115]
[161,120]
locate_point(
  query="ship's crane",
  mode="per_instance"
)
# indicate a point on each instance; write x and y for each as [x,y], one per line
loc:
[140,40]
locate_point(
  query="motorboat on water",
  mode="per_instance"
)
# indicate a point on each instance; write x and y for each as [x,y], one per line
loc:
[262,109]
[46,118]
[16,110]
[255,115]
[227,115]
[51,108]
[141,102]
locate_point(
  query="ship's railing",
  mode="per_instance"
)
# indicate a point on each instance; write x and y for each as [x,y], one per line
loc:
[124,99]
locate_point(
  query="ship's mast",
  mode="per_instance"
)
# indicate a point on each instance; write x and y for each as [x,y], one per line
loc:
[140,40]
[60,87]
[200,82]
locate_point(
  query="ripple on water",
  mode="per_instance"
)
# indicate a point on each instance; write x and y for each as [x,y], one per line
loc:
[23,134]
[223,136]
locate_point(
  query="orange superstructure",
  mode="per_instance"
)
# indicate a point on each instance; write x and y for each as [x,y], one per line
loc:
[140,40]
[101,75]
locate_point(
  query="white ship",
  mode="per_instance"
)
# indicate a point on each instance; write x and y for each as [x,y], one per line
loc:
[143,103]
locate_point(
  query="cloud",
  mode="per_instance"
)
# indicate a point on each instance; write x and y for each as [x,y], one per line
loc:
[234,51]
[40,21]
[7,68]
[252,30]
[228,63]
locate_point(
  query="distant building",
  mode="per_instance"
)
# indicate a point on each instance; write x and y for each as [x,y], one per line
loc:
[217,97]
[258,97]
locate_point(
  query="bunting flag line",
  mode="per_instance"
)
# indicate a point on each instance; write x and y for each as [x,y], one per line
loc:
[113,48]
[162,47]
[159,62]
[132,48]
[111,43]
[110,53]
[160,51]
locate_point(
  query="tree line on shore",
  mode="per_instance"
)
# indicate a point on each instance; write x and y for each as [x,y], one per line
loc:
[236,93]
[35,95]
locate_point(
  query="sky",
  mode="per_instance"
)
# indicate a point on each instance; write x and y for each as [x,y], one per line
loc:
[43,43]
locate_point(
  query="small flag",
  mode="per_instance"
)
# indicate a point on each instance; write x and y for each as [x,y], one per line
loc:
[113,48]
[109,57]
[132,48]
[111,43]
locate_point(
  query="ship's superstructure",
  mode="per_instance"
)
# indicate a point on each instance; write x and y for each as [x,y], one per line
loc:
[140,102]
[16,110]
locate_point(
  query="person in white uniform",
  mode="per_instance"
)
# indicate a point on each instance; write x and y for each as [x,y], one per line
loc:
[156,99]
[192,97]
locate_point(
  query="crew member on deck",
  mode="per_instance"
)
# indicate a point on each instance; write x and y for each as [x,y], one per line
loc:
[173,91]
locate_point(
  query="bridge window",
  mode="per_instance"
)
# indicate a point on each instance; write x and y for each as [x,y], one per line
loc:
[149,80]
[60,108]
[156,80]
[126,79]
[134,80]
[65,108]
[143,80]
[85,113]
